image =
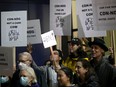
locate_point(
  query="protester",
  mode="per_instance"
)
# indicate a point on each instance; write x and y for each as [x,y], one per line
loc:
[105,71]
[76,51]
[86,74]
[25,59]
[5,81]
[111,56]
[27,77]
[51,70]
[65,77]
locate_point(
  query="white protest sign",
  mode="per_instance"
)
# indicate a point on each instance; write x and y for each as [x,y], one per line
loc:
[48,39]
[60,17]
[14,28]
[80,29]
[104,14]
[7,60]
[33,31]
[85,20]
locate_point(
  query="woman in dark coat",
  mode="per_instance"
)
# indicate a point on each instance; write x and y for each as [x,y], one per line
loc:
[65,77]
[86,74]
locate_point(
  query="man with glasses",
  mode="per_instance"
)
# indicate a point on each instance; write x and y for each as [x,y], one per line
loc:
[25,59]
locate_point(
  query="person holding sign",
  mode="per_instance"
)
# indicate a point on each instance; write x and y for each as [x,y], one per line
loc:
[55,59]
[105,71]
[52,69]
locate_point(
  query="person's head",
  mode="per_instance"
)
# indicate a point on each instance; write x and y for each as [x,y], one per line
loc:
[27,76]
[57,55]
[83,68]
[98,48]
[74,44]
[25,58]
[4,79]
[65,77]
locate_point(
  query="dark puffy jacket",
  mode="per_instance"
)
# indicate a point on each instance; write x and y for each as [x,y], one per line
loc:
[92,81]
[106,73]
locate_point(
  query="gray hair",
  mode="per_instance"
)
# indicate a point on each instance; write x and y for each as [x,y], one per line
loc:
[25,54]
[31,73]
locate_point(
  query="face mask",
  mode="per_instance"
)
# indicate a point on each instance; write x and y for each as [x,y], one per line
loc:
[24,81]
[4,79]
[22,65]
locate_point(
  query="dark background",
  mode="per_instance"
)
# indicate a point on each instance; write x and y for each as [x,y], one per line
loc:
[36,9]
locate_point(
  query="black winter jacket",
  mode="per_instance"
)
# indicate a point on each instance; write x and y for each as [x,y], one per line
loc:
[92,81]
[106,73]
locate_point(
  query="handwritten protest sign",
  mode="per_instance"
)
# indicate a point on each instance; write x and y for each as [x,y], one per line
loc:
[48,39]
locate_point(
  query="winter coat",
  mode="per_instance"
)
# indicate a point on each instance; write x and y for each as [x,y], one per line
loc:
[106,73]
[92,81]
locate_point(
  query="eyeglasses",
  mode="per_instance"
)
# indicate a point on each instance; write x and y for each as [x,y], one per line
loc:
[23,61]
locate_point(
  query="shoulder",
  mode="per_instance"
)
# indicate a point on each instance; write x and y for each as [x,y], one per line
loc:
[93,81]
[93,77]
[106,64]
[73,85]
[35,85]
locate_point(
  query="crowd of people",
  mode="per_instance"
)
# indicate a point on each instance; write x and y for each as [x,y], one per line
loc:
[79,69]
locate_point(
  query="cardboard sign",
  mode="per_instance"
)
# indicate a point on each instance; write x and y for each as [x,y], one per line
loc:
[48,39]
[104,13]
[14,28]
[60,17]
[33,31]
[85,20]
[7,60]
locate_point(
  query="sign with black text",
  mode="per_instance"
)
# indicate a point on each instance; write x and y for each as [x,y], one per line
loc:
[104,14]
[14,28]
[7,60]
[85,20]
[60,17]
[48,39]
[33,31]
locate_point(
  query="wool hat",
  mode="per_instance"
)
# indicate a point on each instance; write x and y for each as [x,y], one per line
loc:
[99,42]
[76,41]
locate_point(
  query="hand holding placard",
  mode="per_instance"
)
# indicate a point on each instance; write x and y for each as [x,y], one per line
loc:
[49,41]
